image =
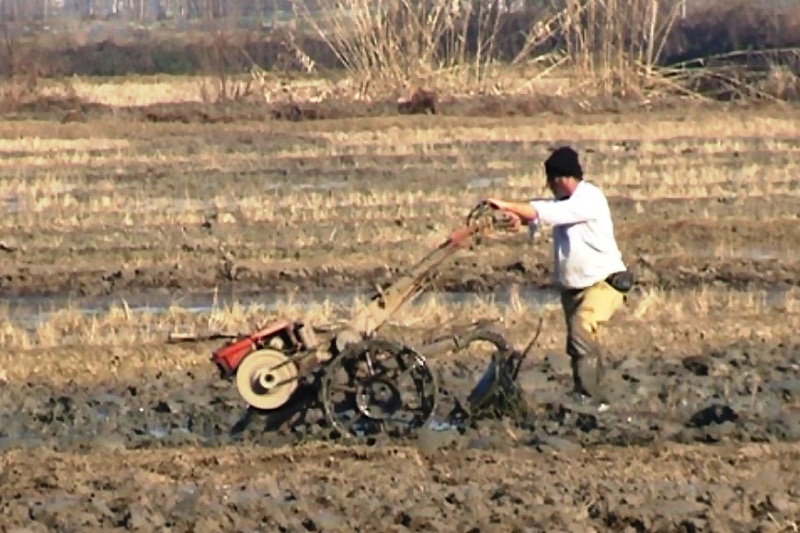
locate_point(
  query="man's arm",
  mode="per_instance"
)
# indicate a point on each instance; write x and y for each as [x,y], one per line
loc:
[524,210]
[573,210]
[554,213]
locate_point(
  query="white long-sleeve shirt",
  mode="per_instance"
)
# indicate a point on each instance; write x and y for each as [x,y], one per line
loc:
[584,247]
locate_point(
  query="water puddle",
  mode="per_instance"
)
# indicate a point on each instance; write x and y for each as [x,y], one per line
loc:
[764,253]
[160,432]
[317,186]
[21,441]
[14,202]
[30,311]
[104,407]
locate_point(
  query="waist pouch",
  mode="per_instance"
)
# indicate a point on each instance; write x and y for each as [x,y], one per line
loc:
[621,281]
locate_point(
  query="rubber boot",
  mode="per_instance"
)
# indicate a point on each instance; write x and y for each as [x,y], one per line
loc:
[588,377]
[587,367]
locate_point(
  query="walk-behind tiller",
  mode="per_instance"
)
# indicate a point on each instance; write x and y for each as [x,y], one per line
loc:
[367,384]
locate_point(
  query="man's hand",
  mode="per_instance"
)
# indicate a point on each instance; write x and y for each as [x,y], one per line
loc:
[508,222]
[497,204]
[522,210]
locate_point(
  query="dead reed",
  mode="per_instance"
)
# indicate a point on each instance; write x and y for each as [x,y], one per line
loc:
[121,325]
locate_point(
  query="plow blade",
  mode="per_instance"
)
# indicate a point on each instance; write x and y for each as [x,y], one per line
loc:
[497,393]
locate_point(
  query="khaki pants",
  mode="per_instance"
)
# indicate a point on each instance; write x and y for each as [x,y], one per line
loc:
[584,311]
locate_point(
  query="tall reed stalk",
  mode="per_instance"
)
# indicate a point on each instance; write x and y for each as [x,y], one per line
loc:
[615,46]
[610,46]
[391,43]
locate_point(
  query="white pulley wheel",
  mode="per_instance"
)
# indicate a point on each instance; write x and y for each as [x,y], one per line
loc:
[266,379]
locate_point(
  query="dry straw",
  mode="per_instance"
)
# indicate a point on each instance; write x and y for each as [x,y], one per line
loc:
[609,47]
[122,325]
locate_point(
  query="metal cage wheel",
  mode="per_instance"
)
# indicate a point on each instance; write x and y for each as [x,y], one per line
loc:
[378,386]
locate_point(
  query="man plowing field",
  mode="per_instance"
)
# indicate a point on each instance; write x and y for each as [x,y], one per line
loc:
[588,267]
[367,384]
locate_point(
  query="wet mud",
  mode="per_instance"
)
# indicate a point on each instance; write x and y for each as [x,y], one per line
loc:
[326,488]
[746,392]
[183,423]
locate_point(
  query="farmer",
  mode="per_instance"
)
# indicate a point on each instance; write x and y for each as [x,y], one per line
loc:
[588,266]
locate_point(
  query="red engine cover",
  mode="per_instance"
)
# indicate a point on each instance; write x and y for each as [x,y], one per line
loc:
[230,356]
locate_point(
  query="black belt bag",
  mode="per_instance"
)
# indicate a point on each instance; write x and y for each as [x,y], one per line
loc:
[621,281]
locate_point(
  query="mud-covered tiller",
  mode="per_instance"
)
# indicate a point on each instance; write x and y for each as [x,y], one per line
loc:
[367,384]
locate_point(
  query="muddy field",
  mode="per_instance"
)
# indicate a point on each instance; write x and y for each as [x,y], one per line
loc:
[122,223]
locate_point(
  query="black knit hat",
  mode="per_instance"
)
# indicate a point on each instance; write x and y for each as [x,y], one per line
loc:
[563,162]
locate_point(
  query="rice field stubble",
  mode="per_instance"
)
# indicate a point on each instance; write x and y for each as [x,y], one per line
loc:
[104,207]
[707,353]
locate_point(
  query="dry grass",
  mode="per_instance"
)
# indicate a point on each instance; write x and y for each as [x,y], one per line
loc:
[53,201]
[696,127]
[136,91]
[140,91]
[46,177]
[399,44]
[610,48]
[651,129]
[744,311]
[583,49]
[676,324]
